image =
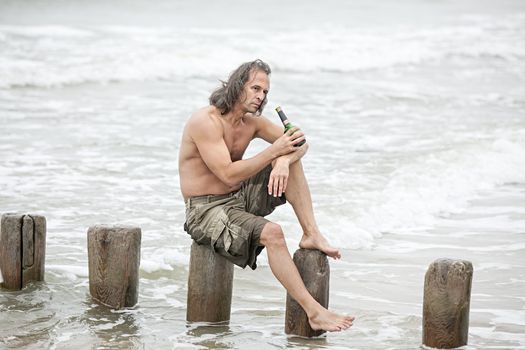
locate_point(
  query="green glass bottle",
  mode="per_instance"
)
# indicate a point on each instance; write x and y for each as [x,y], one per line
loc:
[287,124]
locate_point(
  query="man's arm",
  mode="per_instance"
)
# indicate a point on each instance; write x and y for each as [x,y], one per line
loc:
[208,137]
[269,132]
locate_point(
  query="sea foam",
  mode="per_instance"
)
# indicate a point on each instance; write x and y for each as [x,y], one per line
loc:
[50,56]
[438,184]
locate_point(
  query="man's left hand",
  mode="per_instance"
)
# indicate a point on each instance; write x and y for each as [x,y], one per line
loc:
[278,178]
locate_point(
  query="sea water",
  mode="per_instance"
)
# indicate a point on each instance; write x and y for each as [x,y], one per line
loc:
[415,116]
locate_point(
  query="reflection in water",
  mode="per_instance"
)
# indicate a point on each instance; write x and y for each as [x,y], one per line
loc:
[115,329]
[210,335]
[306,343]
[26,319]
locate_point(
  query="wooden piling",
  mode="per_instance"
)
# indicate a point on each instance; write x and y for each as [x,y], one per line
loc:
[22,249]
[446,303]
[114,259]
[210,284]
[315,271]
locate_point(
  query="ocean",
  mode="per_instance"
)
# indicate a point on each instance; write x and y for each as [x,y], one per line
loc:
[415,115]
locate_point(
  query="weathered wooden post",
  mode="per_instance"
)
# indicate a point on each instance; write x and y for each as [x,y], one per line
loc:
[315,271]
[446,303]
[210,284]
[22,250]
[114,259]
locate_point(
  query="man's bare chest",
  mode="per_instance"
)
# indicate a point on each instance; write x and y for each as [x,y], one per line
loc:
[237,142]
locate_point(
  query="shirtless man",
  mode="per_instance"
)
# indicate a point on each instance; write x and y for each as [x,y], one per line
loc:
[227,197]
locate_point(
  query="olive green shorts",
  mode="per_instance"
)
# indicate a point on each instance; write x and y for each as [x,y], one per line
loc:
[232,223]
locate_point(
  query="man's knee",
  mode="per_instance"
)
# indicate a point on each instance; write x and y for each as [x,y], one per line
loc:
[272,235]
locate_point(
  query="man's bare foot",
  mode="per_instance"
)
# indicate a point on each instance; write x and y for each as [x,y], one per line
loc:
[330,321]
[320,243]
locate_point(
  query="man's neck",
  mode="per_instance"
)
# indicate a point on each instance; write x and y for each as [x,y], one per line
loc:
[235,116]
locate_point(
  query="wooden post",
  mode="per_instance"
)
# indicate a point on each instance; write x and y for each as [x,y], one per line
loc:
[22,250]
[210,284]
[446,303]
[114,259]
[315,271]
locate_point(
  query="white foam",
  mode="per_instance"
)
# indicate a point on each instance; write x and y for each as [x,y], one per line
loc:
[494,266]
[165,292]
[67,55]
[163,259]
[440,183]
[71,272]
[152,266]
[57,31]
[505,316]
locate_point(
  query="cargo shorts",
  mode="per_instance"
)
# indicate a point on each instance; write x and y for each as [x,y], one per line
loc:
[231,224]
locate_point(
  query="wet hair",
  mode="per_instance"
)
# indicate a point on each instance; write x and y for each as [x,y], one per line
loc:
[230,91]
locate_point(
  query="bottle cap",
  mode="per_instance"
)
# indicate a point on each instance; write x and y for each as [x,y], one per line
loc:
[281,114]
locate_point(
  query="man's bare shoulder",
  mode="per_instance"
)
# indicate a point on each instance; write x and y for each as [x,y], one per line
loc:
[204,115]
[204,120]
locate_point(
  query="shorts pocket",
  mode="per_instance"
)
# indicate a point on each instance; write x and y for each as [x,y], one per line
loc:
[192,216]
[227,237]
[194,227]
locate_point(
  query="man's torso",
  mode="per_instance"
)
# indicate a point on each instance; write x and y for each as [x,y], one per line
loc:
[195,177]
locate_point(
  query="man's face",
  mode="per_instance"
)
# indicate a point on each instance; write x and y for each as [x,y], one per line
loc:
[255,90]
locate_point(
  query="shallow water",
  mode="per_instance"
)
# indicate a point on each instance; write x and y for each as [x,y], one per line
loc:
[417,138]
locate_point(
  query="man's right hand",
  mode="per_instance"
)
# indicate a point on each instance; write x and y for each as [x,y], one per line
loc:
[286,143]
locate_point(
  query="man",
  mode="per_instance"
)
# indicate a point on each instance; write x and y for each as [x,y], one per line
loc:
[227,197]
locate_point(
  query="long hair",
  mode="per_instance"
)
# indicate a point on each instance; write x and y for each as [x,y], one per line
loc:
[225,97]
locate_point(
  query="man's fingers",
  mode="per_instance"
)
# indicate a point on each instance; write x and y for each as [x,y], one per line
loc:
[276,187]
[270,185]
[296,135]
[298,140]
[289,132]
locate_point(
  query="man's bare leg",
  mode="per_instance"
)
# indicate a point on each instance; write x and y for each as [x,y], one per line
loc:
[298,194]
[286,272]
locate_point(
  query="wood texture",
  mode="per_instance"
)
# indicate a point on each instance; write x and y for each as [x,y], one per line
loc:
[28,241]
[446,303]
[114,259]
[34,248]
[10,251]
[22,249]
[315,271]
[210,284]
